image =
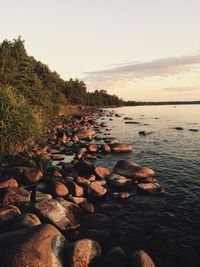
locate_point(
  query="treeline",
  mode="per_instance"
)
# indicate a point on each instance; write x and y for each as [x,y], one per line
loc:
[30,94]
[156,103]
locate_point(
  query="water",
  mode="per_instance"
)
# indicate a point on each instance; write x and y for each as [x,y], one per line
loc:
[167,227]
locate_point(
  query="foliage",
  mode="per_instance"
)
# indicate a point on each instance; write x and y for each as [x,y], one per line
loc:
[20,124]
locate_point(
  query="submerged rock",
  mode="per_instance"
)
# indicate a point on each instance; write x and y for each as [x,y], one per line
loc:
[126,168]
[96,190]
[141,259]
[117,180]
[121,148]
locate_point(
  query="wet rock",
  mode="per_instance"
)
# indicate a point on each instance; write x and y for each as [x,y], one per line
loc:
[70,207]
[105,148]
[92,178]
[193,130]
[121,148]
[104,124]
[9,183]
[144,133]
[143,173]
[52,211]
[75,189]
[141,259]
[84,133]
[153,188]
[116,257]
[84,252]
[88,207]
[126,168]
[59,189]
[84,167]
[41,245]
[32,175]
[102,172]
[77,200]
[58,157]
[117,180]
[178,128]
[121,195]
[92,148]
[15,196]
[8,213]
[96,190]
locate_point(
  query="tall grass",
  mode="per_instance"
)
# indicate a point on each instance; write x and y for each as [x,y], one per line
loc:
[20,124]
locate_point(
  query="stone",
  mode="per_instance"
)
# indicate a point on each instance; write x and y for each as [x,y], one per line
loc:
[117,180]
[40,196]
[84,168]
[126,168]
[25,220]
[121,195]
[144,133]
[102,172]
[41,245]
[153,188]
[121,148]
[82,181]
[88,207]
[8,214]
[59,189]
[84,133]
[141,259]
[95,190]
[70,207]
[9,183]
[92,148]
[105,148]
[32,175]
[58,157]
[15,196]
[57,214]
[75,189]
[77,200]
[178,128]
[143,173]
[116,257]
[84,252]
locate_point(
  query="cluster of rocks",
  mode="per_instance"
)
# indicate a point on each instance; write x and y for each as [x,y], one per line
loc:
[45,210]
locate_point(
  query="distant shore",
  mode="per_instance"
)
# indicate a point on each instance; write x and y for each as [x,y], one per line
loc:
[151,103]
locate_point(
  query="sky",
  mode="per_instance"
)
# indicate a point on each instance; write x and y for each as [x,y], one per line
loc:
[143,50]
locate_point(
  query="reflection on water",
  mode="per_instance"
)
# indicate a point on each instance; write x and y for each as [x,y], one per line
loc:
[167,227]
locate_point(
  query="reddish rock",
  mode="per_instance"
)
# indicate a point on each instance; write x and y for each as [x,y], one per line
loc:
[126,168]
[141,259]
[74,189]
[57,214]
[8,213]
[40,245]
[153,188]
[121,195]
[92,148]
[121,148]
[70,207]
[144,172]
[58,157]
[92,178]
[77,200]
[59,189]
[82,181]
[39,196]
[15,195]
[84,252]
[32,175]
[88,207]
[105,148]
[117,180]
[96,190]
[25,220]
[84,133]
[8,183]
[102,172]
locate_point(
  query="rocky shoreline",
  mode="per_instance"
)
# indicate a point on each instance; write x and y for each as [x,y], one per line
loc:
[56,214]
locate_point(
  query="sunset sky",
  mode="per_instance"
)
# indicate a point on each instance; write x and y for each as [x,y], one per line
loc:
[137,49]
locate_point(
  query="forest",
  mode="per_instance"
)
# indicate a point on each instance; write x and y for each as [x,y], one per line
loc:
[30,94]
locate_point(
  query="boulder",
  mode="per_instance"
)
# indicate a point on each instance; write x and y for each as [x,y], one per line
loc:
[32,175]
[126,168]
[8,214]
[141,259]
[9,183]
[116,257]
[75,189]
[121,195]
[84,252]
[25,220]
[55,213]
[117,180]
[88,207]
[102,172]
[15,196]
[84,168]
[105,148]
[41,245]
[121,148]
[92,148]
[82,181]
[40,196]
[143,173]
[153,188]
[96,190]
[59,189]
[85,133]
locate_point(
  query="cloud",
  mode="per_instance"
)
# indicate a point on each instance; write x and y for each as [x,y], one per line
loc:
[180,89]
[165,67]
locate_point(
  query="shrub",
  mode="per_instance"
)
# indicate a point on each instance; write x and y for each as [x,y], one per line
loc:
[20,124]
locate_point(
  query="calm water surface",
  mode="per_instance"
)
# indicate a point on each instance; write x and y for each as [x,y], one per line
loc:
[167,227]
